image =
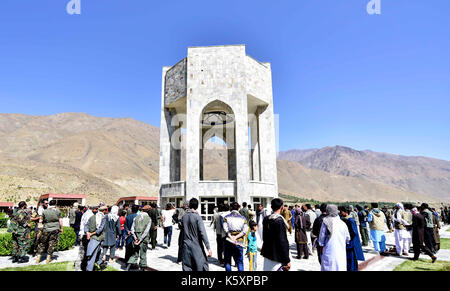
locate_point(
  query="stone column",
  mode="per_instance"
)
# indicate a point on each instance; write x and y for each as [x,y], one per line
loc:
[164,149]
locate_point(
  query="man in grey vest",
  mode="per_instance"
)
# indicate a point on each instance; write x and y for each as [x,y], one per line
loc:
[140,233]
[53,227]
[95,235]
[310,216]
[429,226]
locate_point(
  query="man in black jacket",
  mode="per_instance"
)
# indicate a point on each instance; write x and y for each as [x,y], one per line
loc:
[154,227]
[275,249]
[318,224]
[418,230]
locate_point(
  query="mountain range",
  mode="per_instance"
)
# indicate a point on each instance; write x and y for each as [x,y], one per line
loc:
[107,158]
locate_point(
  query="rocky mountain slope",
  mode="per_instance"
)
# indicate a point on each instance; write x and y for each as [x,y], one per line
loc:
[422,175]
[107,158]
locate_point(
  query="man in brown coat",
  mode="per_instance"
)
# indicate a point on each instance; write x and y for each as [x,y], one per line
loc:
[418,224]
[301,238]
[287,216]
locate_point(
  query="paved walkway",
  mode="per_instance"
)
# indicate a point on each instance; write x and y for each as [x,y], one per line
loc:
[165,258]
[444,233]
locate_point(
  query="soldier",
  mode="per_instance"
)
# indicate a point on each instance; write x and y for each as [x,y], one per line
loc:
[140,233]
[36,217]
[72,214]
[20,229]
[53,227]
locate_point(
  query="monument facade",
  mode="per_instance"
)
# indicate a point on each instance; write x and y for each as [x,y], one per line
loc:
[217,92]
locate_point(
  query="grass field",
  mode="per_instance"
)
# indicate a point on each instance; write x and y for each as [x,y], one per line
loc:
[3,230]
[61,266]
[445,243]
[423,265]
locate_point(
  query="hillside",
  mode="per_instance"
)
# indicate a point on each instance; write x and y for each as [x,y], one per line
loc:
[77,153]
[412,174]
[107,158]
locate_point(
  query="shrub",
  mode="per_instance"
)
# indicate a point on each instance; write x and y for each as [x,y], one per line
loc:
[3,222]
[6,244]
[66,241]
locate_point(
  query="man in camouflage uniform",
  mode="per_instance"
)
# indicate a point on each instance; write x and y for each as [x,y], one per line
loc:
[140,233]
[53,227]
[20,229]
[36,217]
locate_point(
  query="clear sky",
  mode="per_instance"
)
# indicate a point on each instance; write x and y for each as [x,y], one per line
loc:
[340,75]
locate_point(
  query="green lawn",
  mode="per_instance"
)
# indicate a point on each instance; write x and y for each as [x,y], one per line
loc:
[423,265]
[445,243]
[3,230]
[61,266]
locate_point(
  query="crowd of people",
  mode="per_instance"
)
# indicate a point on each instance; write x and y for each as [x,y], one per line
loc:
[335,234]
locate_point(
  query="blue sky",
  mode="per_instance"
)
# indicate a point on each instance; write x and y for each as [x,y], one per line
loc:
[340,75]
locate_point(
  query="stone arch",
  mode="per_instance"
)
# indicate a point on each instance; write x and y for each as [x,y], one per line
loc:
[217,120]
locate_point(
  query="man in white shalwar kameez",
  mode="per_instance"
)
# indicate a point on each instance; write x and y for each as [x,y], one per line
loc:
[401,234]
[260,214]
[333,239]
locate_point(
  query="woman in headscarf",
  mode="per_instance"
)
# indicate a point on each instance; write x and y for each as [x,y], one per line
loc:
[300,234]
[333,240]
[112,231]
[354,249]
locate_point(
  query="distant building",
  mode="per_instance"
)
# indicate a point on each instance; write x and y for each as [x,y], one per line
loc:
[4,206]
[64,200]
[137,200]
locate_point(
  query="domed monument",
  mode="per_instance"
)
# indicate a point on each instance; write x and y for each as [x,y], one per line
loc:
[217,92]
